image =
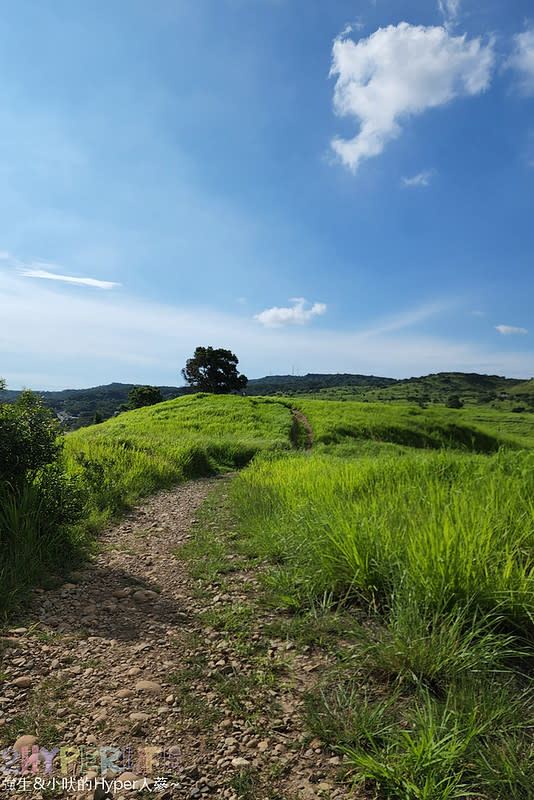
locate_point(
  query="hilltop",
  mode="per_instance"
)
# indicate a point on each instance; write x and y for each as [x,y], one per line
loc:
[313,382]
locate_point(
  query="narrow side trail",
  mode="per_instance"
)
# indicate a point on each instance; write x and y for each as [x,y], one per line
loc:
[299,418]
[124,656]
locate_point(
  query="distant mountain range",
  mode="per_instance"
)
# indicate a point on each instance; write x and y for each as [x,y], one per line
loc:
[77,407]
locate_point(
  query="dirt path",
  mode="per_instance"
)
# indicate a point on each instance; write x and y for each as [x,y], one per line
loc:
[300,418]
[124,655]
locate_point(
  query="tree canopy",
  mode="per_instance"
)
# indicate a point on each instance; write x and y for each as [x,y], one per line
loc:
[214,370]
[141,396]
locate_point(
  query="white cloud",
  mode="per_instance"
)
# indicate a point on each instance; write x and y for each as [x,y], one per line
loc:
[37,271]
[421,179]
[296,315]
[478,313]
[510,330]
[522,59]
[398,72]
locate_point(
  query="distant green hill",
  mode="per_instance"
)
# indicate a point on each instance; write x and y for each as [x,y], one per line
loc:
[76,407]
[470,387]
[313,382]
[523,388]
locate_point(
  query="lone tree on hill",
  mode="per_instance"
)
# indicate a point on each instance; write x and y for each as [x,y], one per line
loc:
[214,371]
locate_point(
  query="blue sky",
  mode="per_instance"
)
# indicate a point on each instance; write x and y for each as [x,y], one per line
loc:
[318,186]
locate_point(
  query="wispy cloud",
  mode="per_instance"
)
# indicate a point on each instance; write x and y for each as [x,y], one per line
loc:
[477,313]
[397,72]
[407,319]
[37,271]
[449,9]
[296,315]
[510,330]
[421,179]
[522,59]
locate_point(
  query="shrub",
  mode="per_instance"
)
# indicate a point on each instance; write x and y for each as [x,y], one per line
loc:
[38,500]
[453,401]
[29,438]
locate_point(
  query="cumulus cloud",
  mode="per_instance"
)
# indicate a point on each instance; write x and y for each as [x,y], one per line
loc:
[421,179]
[296,315]
[522,59]
[398,72]
[510,330]
[37,271]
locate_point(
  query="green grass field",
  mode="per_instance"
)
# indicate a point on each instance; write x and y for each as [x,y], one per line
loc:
[417,524]
[435,427]
[449,530]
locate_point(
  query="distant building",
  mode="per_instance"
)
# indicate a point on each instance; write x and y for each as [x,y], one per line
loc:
[64,416]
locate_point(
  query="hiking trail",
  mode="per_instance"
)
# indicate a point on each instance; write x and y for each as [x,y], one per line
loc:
[134,652]
[299,418]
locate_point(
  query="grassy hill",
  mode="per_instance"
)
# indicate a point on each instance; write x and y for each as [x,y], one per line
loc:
[401,548]
[402,545]
[525,389]
[77,407]
[313,382]
[150,448]
[434,427]
[136,453]
[472,388]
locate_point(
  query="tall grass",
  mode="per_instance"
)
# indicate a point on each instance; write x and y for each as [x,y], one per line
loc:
[475,742]
[448,529]
[35,535]
[429,700]
[431,428]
